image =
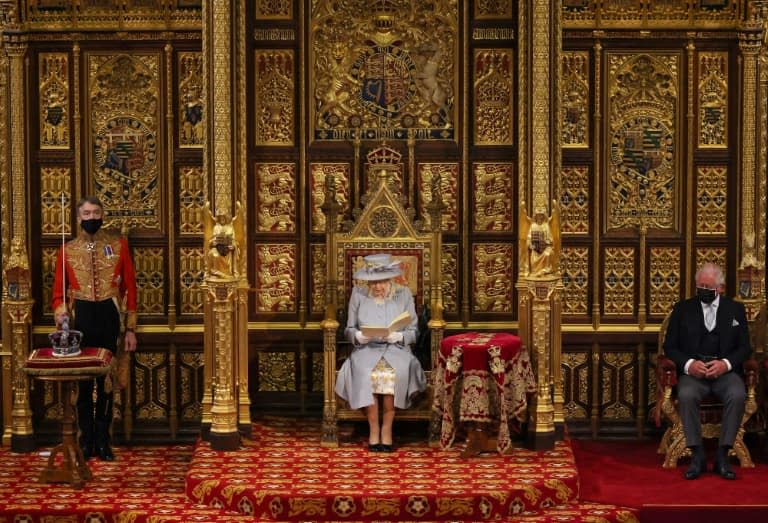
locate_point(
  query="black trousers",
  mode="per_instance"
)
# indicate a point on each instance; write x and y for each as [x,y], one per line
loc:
[728,388]
[99,322]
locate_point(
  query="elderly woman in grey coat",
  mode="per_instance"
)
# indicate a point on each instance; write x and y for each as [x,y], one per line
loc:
[380,370]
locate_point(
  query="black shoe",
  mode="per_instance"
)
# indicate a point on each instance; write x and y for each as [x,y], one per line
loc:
[724,470]
[374,447]
[722,466]
[698,464]
[105,453]
[87,451]
[385,448]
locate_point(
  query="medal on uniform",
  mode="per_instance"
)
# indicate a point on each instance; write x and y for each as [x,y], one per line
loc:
[108,252]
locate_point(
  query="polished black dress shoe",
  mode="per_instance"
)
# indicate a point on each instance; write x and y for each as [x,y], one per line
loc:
[374,447]
[723,469]
[105,453]
[695,469]
[386,448]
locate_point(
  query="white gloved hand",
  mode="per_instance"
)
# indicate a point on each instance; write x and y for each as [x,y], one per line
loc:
[395,337]
[361,338]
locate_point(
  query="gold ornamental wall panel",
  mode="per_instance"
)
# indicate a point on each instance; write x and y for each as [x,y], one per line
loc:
[151,385]
[493,9]
[619,281]
[664,279]
[643,159]
[274,97]
[319,260]
[575,373]
[56,206]
[574,266]
[711,200]
[54,101]
[617,379]
[712,100]
[449,189]
[575,198]
[276,277]
[191,200]
[276,197]
[493,88]
[123,119]
[317,378]
[192,113]
[718,255]
[450,264]
[190,380]
[274,9]
[383,70]
[493,188]
[48,268]
[149,263]
[277,371]
[493,277]
[574,96]
[317,180]
[191,279]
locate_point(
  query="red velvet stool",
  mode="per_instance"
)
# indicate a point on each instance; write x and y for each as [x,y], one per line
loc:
[482,379]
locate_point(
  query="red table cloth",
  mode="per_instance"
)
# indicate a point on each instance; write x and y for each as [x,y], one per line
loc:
[482,377]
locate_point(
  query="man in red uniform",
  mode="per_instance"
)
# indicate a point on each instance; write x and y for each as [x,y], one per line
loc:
[99,276]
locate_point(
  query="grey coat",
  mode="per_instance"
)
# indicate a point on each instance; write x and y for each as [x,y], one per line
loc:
[353,383]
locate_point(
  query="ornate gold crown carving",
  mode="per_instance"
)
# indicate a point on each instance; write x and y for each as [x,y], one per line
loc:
[383,157]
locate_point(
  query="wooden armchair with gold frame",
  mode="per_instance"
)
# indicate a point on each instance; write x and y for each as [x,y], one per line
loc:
[672,443]
[383,225]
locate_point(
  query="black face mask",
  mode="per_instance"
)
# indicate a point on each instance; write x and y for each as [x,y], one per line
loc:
[706,296]
[91,226]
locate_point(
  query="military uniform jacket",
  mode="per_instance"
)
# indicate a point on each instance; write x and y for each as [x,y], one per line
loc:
[96,270]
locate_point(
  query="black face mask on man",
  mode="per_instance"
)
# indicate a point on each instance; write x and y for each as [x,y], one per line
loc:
[92,225]
[706,296]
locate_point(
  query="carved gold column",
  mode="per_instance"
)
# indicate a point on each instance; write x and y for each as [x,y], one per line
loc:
[329,324]
[539,148]
[19,321]
[16,303]
[223,434]
[226,297]
[751,207]
[435,208]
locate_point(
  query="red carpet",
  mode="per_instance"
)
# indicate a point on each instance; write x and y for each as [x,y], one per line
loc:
[284,475]
[629,473]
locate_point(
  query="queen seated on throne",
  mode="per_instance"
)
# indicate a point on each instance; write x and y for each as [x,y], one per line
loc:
[381,373]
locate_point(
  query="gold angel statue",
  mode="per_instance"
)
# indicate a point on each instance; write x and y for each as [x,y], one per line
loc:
[539,241]
[224,236]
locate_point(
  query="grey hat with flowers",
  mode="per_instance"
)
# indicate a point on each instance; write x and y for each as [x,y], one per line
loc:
[378,267]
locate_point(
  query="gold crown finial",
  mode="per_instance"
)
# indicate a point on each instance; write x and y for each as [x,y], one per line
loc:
[384,156]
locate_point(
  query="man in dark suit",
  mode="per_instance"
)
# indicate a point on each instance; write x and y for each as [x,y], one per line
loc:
[708,339]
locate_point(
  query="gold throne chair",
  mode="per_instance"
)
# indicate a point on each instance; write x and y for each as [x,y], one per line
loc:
[383,225]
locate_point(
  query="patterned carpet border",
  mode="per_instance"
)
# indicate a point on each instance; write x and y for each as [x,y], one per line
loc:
[284,475]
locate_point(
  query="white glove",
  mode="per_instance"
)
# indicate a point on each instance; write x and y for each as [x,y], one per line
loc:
[361,338]
[395,337]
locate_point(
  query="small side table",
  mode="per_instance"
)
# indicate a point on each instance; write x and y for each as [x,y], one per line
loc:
[42,365]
